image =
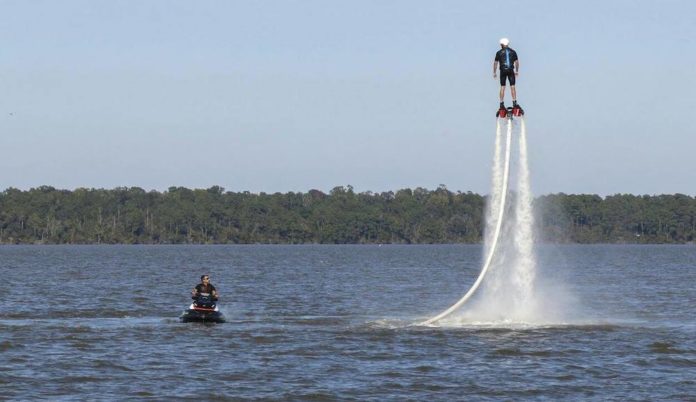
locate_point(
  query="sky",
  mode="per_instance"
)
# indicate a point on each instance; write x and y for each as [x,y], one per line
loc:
[278,96]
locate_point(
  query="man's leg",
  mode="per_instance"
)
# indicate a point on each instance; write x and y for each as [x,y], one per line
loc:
[513,92]
[502,93]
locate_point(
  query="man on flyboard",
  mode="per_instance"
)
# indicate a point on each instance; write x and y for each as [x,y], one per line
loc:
[506,59]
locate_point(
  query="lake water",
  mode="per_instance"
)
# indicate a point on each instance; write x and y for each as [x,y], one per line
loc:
[335,323]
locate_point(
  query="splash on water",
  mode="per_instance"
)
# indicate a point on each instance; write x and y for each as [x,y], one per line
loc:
[512,293]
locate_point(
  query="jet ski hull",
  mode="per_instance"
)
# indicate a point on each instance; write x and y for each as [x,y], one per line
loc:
[194,315]
[203,309]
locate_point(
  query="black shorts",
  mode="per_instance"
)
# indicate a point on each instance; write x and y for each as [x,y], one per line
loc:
[509,74]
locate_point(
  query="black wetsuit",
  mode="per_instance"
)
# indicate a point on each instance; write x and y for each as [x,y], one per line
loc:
[201,288]
[506,58]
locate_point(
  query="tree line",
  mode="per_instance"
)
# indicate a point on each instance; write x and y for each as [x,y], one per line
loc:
[131,215]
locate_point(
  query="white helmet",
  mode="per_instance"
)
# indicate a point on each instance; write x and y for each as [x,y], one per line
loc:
[504,41]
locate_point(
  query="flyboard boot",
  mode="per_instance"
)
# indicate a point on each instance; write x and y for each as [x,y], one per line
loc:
[502,111]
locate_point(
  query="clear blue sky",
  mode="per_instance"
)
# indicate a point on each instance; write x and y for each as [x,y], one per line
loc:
[382,95]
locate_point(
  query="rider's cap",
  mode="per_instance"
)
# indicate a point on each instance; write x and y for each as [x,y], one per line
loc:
[504,41]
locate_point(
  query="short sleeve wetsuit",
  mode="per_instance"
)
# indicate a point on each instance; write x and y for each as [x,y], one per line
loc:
[506,58]
[201,288]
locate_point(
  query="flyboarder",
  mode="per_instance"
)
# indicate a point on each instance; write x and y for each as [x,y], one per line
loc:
[506,58]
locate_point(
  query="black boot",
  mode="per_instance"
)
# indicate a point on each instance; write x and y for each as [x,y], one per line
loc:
[502,105]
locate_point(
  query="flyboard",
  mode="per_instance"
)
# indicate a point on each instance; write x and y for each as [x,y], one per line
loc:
[509,112]
[502,114]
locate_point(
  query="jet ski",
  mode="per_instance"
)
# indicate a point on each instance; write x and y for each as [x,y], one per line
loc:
[203,309]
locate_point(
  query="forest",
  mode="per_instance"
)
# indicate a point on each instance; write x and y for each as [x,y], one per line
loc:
[131,215]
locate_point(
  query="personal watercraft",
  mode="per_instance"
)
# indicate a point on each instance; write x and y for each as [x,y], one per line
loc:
[203,309]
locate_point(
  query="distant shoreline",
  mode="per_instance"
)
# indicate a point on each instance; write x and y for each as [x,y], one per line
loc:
[39,245]
[46,215]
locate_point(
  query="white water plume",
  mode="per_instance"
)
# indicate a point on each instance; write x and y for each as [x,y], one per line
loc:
[508,294]
[491,249]
[523,234]
[493,204]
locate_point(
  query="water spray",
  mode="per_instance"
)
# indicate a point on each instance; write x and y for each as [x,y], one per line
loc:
[500,209]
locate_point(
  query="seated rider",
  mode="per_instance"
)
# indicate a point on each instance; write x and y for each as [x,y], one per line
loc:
[205,288]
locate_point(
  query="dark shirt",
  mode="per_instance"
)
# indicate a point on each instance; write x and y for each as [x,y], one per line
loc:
[506,57]
[201,288]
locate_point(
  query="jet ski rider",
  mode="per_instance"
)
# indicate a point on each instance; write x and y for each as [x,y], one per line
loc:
[204,288]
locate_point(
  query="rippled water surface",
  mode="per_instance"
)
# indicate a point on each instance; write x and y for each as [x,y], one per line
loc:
[334,323]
